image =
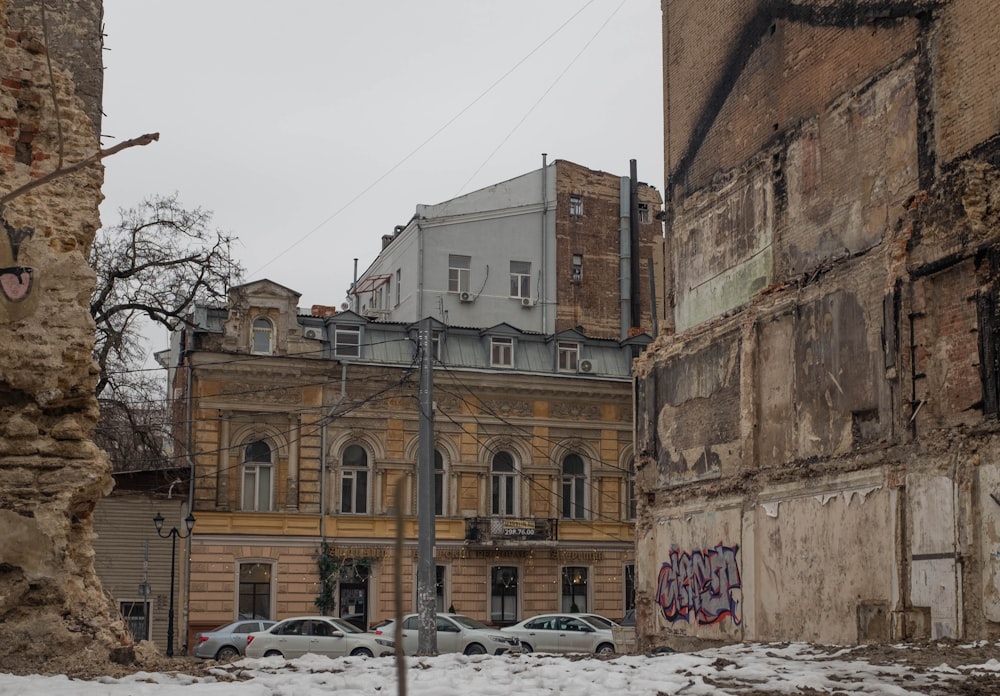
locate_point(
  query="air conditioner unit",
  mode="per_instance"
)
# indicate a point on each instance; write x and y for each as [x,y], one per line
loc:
[527,302]
[465,296]
[585,366]
[313,333]
[378,314]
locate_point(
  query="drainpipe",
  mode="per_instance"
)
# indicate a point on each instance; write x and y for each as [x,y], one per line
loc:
[420,271]
[322,453]
[636,289]
[545,230]
[625,254]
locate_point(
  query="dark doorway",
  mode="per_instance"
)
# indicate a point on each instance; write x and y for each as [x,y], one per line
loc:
[354,603]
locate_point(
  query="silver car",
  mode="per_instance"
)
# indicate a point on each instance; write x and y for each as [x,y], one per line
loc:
[227,642]
[565,633]
[455,633]
[320,635]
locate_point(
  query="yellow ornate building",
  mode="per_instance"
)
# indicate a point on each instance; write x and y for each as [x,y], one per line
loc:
[303,435]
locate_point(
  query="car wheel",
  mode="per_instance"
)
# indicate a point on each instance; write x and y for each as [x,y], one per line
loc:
[273,653]
[227,653]
[475,649]
[362,652]
[605,649]
[526,647]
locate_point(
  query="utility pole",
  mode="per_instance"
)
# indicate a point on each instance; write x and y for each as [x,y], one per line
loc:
[426,609]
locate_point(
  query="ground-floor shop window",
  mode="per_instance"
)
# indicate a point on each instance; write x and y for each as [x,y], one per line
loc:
[440,575]
[503,595]
[574,589]
[255,591]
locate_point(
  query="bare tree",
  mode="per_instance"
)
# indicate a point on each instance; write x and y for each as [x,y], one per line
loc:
[154,265]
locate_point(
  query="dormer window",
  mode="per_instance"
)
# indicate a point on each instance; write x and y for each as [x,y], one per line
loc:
[502,351]
[569,356]
[347,341]
[263,337]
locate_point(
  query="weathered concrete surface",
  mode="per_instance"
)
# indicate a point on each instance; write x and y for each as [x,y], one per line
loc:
[818,443]
[52,608]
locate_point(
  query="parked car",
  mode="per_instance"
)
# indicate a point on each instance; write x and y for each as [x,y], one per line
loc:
[565,633]
[320,635]
[455,633]
[227,642]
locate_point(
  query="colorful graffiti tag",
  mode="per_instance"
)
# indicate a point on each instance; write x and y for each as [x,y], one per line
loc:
[698,586]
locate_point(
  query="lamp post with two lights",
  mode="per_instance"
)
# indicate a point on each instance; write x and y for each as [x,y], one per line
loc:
[173,534]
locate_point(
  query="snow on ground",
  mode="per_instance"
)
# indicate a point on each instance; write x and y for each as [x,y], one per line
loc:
[796,668]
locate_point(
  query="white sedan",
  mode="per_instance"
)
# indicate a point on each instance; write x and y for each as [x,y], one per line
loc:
[320,635]
[565,633]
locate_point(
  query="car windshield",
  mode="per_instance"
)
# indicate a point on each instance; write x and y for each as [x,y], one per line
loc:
[468,622]
[599,621]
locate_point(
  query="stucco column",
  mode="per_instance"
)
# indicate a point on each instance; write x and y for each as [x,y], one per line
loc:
[222,465]
[292,495]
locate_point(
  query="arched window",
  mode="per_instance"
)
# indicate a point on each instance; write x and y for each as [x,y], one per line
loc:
[574,487]
[439,487]
[354,480]
[263,337]
[258,477]
[504,484]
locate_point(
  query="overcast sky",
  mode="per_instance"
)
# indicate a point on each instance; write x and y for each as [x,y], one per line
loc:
[313,127]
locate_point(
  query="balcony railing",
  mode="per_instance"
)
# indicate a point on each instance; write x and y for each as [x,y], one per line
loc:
[493,530]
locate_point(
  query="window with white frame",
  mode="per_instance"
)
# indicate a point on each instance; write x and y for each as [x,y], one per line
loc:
[459,273]
[346,341]
[263,337]
[399,278]
[258,477]
[574,589]
[520,279]
[254,599]
[354,480]
[501,351]
[569,355]
[504,485]
[574,487]
[576,205]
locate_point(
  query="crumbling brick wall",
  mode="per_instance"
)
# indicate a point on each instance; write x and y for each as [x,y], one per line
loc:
[52,608]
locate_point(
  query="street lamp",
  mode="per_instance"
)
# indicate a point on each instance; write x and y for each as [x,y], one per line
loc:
[174,535]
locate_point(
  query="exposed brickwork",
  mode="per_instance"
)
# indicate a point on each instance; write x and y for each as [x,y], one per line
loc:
[596,236]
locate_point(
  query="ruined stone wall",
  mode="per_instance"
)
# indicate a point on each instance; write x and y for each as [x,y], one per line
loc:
[818,444]
[52,608]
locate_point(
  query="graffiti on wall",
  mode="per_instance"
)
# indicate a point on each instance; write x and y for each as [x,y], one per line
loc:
[698,586]
[15,280]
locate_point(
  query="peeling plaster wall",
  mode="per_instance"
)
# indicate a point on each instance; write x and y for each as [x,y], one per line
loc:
[826,414]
